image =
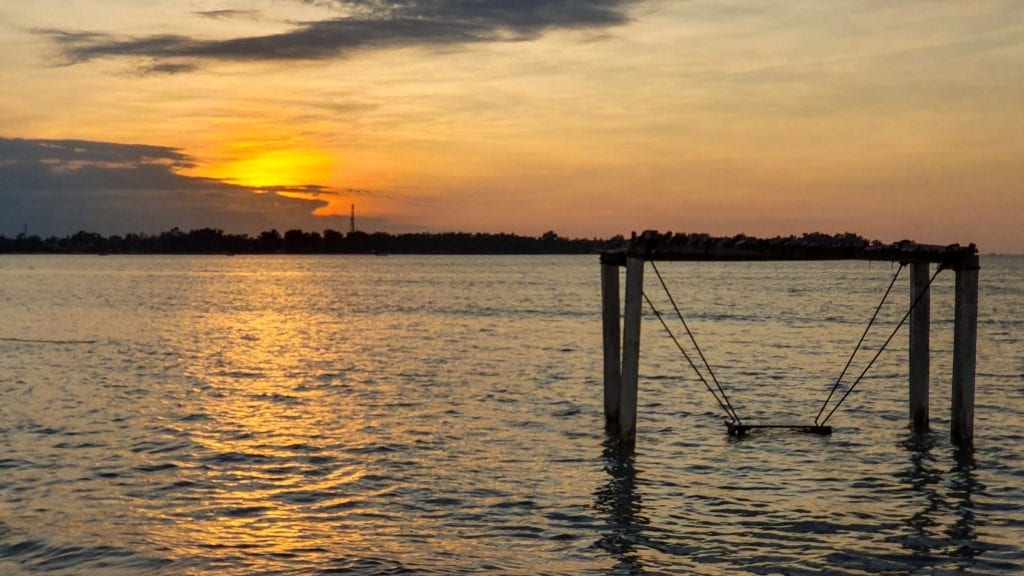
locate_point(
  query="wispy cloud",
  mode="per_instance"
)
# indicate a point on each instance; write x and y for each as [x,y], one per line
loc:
[167,68]
[365,25]
[61,186]
[229,14]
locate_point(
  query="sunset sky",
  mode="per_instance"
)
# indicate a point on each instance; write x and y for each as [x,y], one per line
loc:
[588,117]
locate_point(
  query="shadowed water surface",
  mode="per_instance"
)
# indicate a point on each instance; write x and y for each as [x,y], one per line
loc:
[442,415]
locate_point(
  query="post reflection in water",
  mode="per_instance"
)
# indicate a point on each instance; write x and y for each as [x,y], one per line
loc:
[946,493]
[619,500]
[964,484]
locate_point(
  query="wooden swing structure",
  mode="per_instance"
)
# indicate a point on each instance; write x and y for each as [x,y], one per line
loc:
[622,355]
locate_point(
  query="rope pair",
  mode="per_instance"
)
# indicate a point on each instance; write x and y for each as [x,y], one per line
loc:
[880,350]
[723,400]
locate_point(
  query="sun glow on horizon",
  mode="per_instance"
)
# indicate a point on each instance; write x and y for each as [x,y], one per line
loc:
[290,167]
[266,161]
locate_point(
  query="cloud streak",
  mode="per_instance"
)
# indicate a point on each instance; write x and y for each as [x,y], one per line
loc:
[228,14]
[62,186]
[366,25]
[18,150]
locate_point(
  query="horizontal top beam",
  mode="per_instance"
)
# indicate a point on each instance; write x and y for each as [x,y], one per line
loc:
[652,245]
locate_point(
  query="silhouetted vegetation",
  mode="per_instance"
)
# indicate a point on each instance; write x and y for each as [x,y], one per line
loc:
[216,241]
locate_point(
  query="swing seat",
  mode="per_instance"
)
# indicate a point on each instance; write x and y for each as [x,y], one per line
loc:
[741,430]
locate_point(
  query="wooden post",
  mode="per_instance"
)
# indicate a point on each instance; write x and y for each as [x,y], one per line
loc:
[918,348]
[631,349]
[965,336]
[612,354]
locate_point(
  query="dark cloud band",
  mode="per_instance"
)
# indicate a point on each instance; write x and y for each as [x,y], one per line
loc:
[18,151]
[61,186]
[367,25]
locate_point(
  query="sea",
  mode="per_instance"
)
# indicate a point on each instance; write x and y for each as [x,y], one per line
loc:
[444,415]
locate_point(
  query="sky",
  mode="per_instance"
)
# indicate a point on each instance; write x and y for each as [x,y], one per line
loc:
[891,120]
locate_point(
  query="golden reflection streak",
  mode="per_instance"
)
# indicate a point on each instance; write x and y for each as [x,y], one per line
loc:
[261,488]
[277,480]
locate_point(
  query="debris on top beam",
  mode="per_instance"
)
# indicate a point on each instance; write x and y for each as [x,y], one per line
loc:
[653,245]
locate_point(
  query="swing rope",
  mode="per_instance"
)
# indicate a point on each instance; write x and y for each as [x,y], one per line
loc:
[886,343]
[725,405]
[731,410]
[724,402]
[859,342]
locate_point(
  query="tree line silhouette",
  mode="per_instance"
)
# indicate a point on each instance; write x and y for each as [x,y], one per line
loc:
[216,241]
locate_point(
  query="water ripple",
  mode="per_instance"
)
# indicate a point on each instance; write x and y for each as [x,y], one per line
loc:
[351,416]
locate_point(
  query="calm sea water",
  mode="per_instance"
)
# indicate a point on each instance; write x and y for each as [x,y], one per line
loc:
[442,415]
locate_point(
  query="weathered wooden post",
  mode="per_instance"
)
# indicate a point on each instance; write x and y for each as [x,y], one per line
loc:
[631,348]
[612,343]
[918,349]
[965,335]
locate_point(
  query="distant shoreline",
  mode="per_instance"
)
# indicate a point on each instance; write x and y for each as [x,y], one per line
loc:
[215,241]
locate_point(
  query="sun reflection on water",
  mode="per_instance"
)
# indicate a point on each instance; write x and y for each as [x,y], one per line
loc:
[267,478]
